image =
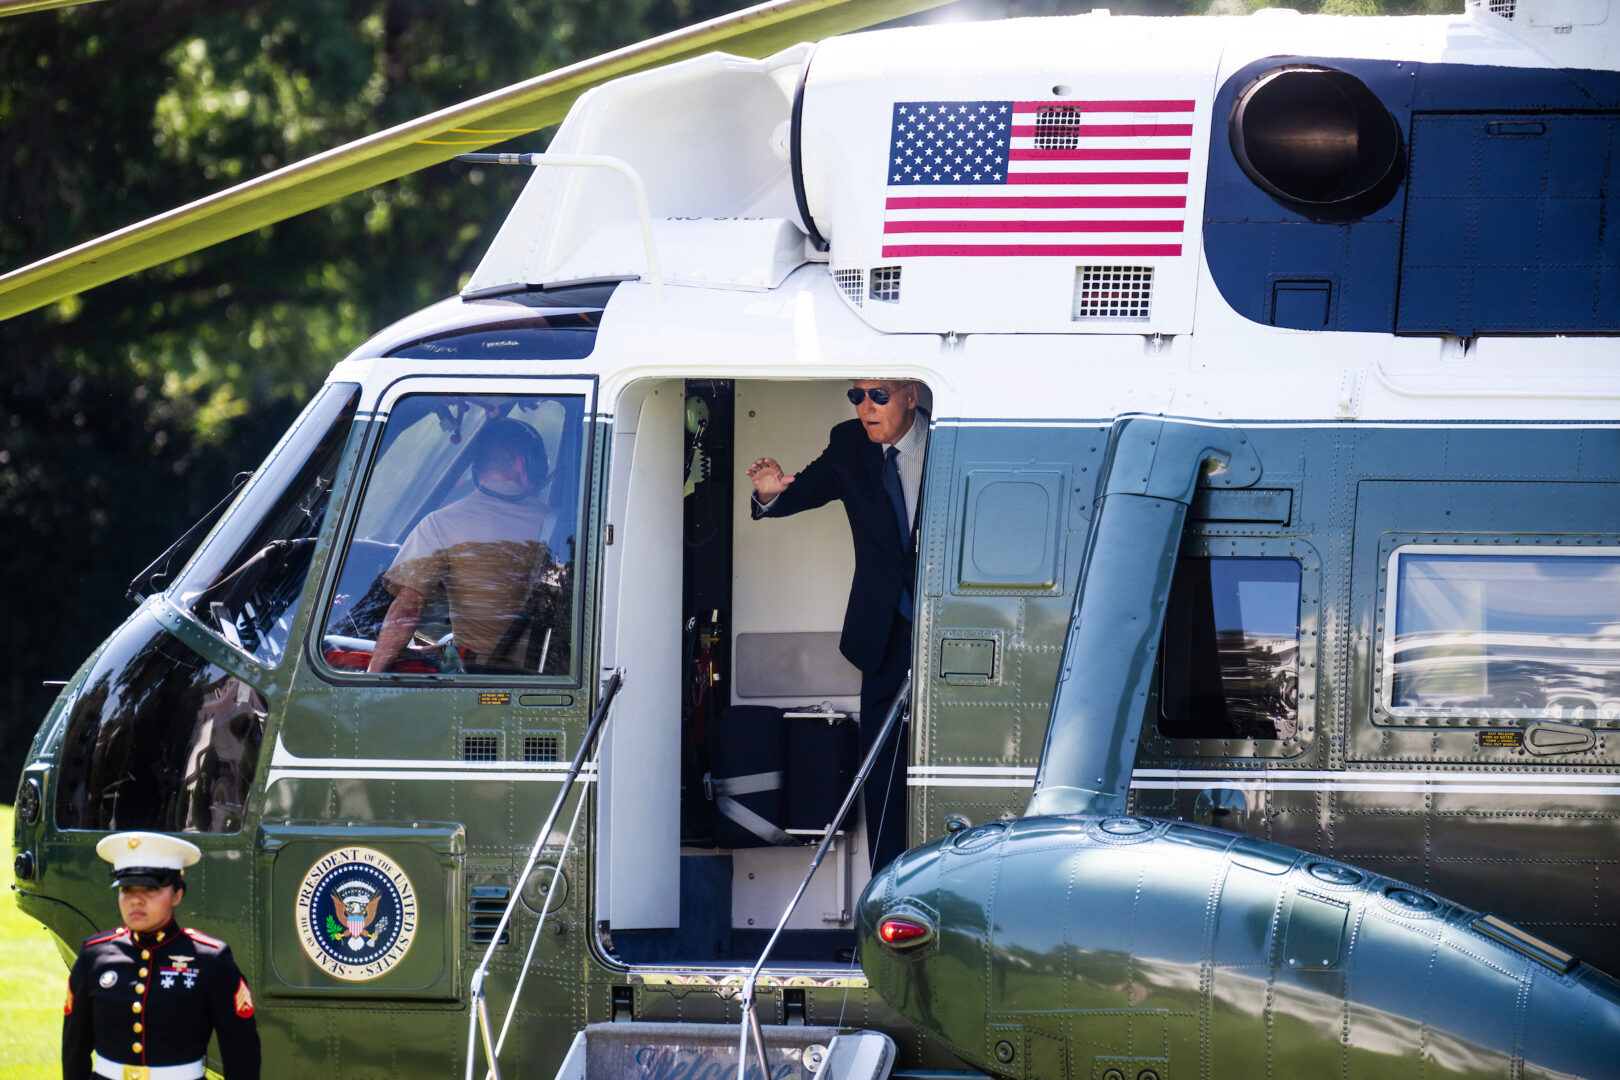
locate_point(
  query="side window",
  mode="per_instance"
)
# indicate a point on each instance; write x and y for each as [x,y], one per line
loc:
[462,557]
[246,581]
[1532,635]
[1231,650]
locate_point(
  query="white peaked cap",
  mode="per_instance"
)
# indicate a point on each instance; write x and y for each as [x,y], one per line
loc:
[132,850]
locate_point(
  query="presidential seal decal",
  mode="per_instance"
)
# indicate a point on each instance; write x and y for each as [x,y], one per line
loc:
[356,913]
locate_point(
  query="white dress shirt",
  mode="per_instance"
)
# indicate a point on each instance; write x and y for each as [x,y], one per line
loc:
[912,446]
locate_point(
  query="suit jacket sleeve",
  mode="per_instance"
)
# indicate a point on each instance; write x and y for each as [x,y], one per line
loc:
[817,484]
[78,1034]
[232,1011]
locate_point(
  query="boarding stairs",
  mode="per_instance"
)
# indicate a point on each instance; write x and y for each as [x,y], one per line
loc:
[632,1050]
[648,1051]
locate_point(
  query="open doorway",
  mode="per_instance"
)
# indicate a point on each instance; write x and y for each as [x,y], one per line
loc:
[720,777]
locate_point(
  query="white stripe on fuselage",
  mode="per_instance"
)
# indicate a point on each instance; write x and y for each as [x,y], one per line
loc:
[1470,783]
[285,765]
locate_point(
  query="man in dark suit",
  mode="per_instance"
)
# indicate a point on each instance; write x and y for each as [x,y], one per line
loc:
[873,465]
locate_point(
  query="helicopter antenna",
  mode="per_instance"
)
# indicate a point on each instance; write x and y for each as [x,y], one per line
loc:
[158,568]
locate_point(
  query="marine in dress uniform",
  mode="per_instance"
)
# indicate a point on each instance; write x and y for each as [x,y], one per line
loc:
[143,999]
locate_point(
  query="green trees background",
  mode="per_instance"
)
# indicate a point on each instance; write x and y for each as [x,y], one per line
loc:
[125,412]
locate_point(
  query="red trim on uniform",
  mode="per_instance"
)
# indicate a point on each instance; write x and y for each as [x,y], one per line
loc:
[67,1008]
[108,936]
[204,938]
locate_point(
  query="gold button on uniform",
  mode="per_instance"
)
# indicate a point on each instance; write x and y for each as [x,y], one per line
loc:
[140,988]
[146,954]
[141,973]
[138,1027]
[135,1007]
[136,1048]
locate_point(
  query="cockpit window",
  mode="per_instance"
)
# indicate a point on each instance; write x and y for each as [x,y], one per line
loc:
[1532,635]
[246,581]
[462,557]
[1231,650]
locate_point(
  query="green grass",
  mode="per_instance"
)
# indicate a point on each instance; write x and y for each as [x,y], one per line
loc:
[33,984]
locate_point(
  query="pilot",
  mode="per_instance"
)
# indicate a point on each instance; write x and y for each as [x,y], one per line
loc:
[873,464]
[485,552]
[143,999]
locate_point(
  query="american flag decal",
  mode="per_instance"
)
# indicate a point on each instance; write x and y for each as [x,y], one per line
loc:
[1063,177]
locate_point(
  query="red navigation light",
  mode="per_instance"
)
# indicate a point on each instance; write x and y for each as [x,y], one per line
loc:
[904,931]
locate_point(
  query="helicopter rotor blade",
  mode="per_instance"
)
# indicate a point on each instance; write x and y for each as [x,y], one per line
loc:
[385,155]
[25,7]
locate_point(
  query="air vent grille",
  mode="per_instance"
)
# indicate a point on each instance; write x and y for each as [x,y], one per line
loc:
[886,284]
[1057,127]
[1113,292]
[488,905]
[480,748]
[853,284]
[547,747]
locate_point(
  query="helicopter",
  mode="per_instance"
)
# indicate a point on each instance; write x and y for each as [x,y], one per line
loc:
[1265,673]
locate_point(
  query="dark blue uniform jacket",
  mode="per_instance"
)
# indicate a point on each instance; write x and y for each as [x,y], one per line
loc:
[152,999]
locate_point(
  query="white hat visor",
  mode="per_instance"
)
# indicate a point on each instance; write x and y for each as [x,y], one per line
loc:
[146,850]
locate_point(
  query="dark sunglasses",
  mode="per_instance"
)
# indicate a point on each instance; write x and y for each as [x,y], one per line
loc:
[878,395]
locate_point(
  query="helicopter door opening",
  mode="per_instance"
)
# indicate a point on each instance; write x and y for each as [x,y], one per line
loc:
[736,734]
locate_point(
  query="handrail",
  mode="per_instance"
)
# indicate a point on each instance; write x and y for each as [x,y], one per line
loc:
[750,1018]
[478,1021]
[539,927]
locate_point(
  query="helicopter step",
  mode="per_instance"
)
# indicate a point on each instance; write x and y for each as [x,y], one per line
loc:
[656,1051]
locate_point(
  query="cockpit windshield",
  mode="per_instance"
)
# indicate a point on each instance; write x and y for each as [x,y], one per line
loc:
[246,581]
[462,556]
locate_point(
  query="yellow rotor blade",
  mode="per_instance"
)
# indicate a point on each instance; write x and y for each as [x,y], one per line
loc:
[495,117]
[23,7]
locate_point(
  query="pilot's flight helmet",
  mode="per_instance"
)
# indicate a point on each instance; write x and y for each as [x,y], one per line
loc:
[501,440]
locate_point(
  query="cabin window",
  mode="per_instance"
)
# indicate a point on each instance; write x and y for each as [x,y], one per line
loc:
[245,583]
[1531,635]
[1231,650]
[462,557]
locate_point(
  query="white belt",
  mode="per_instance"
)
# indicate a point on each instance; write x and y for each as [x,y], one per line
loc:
[112,1070]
